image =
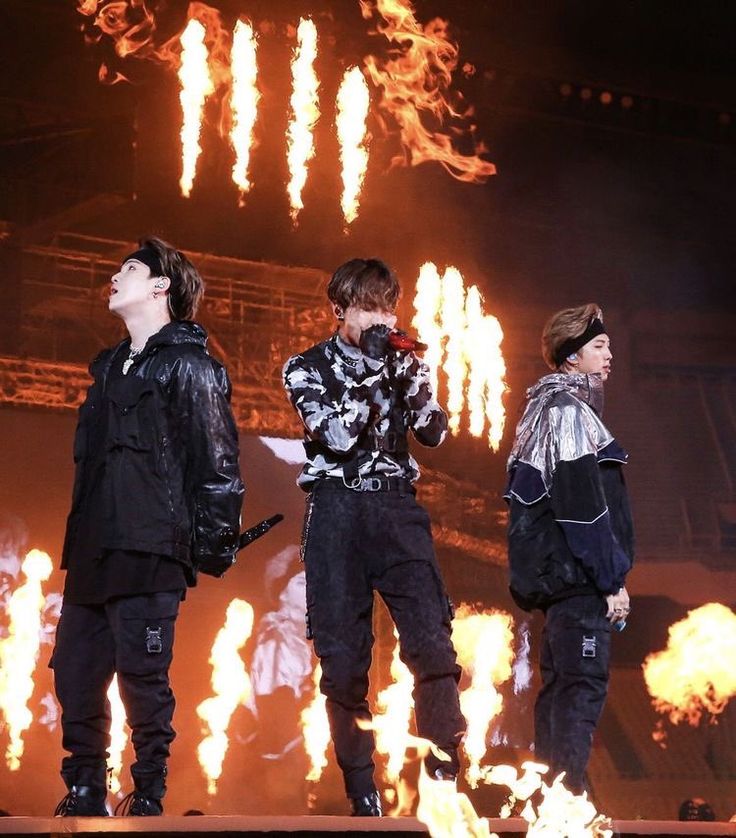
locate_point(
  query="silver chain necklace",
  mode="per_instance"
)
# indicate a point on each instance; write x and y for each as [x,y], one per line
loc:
[129,360]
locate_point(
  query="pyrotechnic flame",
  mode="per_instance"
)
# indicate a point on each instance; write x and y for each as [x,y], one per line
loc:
[19,652]
[353,102]
[316,730]
[695,673]
[243,101]
[446,812]
[560,814]
[391,721]
[466,343]
[484,643]
[415,80]
[304,112]
[118,735]
[196,86]
[231,686]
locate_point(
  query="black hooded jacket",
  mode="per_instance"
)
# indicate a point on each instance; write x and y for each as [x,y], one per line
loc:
[156,454]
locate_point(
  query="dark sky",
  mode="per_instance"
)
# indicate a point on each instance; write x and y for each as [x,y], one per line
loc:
[584,197]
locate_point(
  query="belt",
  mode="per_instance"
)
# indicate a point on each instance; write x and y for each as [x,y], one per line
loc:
[369,484]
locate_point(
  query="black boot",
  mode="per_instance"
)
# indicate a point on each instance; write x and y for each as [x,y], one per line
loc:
[87,792]
[145,799]
[366,807]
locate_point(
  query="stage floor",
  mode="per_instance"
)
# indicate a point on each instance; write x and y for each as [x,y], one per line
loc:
[274,826]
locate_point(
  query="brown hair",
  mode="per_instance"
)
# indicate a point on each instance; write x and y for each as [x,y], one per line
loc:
[187,286]
[564,325]
[366,283]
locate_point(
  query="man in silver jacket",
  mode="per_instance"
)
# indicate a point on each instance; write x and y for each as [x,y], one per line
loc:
[570,536]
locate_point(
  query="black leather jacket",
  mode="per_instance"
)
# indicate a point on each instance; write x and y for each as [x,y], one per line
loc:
[167,453]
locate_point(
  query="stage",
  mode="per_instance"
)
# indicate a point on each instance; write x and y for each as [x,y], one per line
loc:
[236,825]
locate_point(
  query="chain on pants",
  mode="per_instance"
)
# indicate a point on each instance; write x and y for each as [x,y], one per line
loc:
[356,543]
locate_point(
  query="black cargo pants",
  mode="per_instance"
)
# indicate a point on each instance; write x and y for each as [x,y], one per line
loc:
[355,543]
[132,636]
[574,661]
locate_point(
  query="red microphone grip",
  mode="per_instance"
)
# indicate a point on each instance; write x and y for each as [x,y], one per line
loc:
[402,342]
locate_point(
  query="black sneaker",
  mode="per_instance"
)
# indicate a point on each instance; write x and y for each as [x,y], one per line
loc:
[83,802]
[136,804]
[366,807]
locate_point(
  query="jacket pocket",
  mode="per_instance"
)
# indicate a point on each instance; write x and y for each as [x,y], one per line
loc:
[131,414]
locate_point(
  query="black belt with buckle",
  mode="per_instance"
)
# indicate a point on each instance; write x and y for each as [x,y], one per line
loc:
[370,484]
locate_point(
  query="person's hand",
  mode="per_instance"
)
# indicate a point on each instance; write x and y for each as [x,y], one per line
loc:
[357,320]
[618,606]
[215,565]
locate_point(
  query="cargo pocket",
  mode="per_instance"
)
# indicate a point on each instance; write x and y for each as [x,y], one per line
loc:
[146,642]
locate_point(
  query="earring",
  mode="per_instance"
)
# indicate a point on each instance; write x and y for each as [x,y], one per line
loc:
[339,313]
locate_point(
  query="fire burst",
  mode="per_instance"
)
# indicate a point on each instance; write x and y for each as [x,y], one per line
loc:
[353,102]
[484,643]
[415,81]
[118,735]
[243,101]
[196,85]
[695,673]
[467,344]
[231,685]
[316,730]
[305,112]
[19,652]
[391,722]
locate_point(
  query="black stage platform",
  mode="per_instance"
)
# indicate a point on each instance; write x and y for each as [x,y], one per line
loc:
[274,826]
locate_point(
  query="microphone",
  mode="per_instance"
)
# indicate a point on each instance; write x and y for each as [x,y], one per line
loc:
[251,534]
[402,342]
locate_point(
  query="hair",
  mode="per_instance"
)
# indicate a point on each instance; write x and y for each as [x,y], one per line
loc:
[565,325]
[187,286]
[366,283]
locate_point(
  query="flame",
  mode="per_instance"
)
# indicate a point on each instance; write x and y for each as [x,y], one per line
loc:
[560,814]
[415,80]
[466,343]
[196,85]
[353,102]
[231,686]
[304,112]
[394,710]
[19,652]
[485,648]
[316,730]
[446,812]
[243,101]
[695,673]
[118,735]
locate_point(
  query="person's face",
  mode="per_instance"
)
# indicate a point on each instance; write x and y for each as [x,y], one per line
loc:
[130,288]
[596,356]
[356,320]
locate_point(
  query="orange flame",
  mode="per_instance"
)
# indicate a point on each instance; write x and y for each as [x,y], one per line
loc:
[415,81]
[19,652]
[446,812]
[353,102]
[196,86]
[695,673]
[316,730]
[305,112]
[243,101]
[231,686]
[560,814]
[484,643]
[466,343]
[118,735]
[391,721]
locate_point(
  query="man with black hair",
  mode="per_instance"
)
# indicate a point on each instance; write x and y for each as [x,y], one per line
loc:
[157,498]
[364,531]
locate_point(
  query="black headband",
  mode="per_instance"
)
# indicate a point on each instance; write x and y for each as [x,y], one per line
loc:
[595,328]
[149,258]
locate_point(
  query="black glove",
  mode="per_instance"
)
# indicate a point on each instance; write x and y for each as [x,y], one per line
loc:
[215,565]
[374,341]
